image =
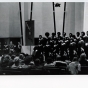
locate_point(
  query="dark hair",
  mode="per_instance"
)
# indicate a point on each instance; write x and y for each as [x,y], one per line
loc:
[53,34]
[12,57]
[78,33]
[75,58]
[70,34]
[58,58]
[83,33]
[58,33]
[47,34]
[83,56]
[40,35]
[37,62]
[49,60]
[28,59]
[74,36]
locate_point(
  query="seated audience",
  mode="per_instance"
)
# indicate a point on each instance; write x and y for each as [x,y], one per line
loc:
[74,67]
[16,63]
[51,52]
[49,62]
[5,61]
[83,60]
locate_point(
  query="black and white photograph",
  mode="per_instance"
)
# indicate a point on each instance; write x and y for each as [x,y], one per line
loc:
[43,38]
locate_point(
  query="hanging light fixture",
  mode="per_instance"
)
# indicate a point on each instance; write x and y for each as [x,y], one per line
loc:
[57,4]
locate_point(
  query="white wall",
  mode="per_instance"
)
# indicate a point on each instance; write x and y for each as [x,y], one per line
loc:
[59,12]
[74,17]
[43,17]
[70,17]
[37,17]
[9,20]
[79,16]
[85,17]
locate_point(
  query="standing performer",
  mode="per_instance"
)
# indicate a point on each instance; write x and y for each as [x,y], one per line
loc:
[11,47]
[41,40]
[64,36]
[47,50]
[0,49]
[19,47]
[70,35]
[47,38]
[59,36]
[6,48]
[52,43]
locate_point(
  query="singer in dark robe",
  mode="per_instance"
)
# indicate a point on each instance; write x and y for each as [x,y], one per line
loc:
[47,38]
[64,36]
[47,50]
[70,35]
[59,36]
[41,40]
[82,36]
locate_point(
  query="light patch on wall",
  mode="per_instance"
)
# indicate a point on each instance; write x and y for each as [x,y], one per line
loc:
[10,20]
[85,28]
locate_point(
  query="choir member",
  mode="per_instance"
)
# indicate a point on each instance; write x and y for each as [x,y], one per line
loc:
[41,40]
[64,36]
[47,50]
[47,38]
[59,36]
[70,35]
[82,36]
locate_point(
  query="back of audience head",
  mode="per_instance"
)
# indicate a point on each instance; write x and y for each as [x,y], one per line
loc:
[12,57]
[16,61]
[49,60]
[82,57]
[21,56]
[75,59]
[81,43]
[27,60]
[37,62]
[58,58]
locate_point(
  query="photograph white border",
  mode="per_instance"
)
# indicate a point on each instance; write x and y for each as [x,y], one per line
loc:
[43,81]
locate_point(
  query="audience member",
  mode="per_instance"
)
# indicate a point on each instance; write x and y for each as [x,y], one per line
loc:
[74,67]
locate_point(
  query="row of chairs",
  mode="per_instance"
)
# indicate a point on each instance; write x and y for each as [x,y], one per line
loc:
[52,70]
